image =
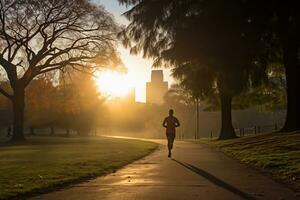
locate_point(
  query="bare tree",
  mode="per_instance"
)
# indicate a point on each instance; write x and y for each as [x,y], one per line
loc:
[37,37]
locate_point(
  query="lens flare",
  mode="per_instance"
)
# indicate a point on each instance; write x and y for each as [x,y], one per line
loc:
[113,84]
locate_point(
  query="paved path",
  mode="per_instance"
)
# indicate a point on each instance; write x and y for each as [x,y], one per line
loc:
[195,172]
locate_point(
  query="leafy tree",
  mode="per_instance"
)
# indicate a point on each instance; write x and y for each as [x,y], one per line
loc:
[80,103]
[199,82]
[281,21]
[37,37]
[287,23]
[215,37]
[40,112]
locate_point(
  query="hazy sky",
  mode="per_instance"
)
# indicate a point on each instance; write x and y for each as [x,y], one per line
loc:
[139,69]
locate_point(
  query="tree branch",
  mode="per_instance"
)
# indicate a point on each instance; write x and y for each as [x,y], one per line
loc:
[6,94]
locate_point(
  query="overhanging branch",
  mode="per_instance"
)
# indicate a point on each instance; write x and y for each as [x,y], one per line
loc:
[6,94]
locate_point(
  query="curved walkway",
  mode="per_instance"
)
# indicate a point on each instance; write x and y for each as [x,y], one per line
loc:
[194,172]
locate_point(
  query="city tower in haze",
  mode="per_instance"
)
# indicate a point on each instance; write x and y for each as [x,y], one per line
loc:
[157,88]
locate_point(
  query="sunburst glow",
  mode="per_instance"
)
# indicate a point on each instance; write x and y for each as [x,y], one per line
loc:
[113,84]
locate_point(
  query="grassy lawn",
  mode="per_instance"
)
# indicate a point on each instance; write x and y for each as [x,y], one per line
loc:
[45,163]
[276,154]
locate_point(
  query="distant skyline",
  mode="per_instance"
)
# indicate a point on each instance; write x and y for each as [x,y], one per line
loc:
[139,68]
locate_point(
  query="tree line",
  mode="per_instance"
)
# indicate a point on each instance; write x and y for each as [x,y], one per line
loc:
[74,104]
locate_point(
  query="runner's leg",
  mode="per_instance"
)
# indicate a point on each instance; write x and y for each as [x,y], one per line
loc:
[170,143]
[171,138]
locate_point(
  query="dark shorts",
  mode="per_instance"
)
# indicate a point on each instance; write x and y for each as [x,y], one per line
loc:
[170,136]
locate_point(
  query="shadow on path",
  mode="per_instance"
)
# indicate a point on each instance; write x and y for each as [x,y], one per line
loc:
[216,180]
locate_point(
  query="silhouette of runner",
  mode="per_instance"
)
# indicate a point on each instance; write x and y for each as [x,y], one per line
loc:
[170,123]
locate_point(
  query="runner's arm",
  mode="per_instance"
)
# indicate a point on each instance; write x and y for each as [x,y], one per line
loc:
[164,123]
[177,123]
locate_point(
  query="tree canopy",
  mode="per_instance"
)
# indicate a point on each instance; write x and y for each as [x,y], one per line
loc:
[37,37]
[209,44]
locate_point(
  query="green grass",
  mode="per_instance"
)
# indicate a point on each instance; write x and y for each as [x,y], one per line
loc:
[277,154]
[44,163]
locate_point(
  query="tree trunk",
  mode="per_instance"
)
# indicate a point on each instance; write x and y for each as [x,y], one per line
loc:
[227,130]
[18,102]
[292,68]
[197,118]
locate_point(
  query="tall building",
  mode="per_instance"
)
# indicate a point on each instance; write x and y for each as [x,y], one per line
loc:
[157,88]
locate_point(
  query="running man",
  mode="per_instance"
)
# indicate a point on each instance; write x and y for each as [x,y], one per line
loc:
[170,123]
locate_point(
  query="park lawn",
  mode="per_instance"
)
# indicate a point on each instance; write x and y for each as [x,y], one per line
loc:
[42,164]
[277,154]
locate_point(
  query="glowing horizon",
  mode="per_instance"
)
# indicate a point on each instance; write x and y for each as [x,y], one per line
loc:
[139,68]
[113,84]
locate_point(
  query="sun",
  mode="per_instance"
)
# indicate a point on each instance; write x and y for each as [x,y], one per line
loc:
[113,84]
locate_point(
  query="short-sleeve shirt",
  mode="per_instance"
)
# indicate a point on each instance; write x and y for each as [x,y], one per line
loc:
[171,123]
